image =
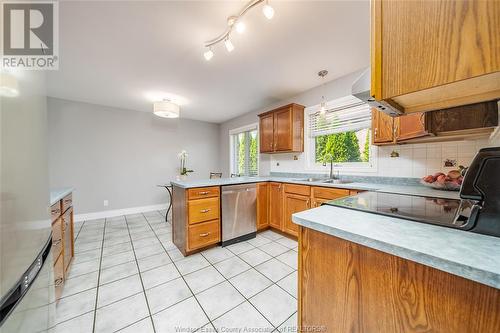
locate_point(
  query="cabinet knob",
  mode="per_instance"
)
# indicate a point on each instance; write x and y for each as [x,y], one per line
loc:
[205,234]
[375,132]
[58,282]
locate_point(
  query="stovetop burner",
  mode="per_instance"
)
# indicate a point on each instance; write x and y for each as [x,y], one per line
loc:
[445,212]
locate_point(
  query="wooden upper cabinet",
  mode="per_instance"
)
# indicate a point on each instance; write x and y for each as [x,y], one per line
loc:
[267,133]
[382,127]
[276,205]
[431,55]
[411,126]
[282,130]
[262,205]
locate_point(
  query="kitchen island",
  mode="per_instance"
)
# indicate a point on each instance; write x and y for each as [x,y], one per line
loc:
[196,211]
[362,272]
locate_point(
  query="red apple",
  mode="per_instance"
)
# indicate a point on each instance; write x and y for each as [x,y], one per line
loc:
[441,179]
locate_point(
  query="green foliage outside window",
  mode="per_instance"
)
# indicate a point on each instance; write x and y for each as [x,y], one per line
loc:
[241,149]
[343,147]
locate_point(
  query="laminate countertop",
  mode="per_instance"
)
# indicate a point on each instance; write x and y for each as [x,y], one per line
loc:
[388,188]
[57,194]
[472,256]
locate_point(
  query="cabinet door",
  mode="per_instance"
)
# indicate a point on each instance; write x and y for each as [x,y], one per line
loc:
[67,221]
[316,202]
[262,205]
[382,127]
[283,134]
[266,129]
[276,205]
[411,126]
[294,203]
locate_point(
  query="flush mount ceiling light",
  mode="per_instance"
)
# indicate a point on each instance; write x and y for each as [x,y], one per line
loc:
[322,74]
[166,109]
[236,21]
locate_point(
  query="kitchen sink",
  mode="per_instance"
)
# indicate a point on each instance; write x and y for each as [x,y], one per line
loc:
[311,180]
[336,181]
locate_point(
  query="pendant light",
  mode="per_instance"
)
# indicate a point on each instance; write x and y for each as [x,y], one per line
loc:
[166,109]
[322,109]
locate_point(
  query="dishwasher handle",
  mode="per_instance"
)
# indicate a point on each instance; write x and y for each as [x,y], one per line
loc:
[249,189]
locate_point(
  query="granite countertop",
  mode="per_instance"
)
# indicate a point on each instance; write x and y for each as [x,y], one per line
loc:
[57,194]
[389,188]
[472,256]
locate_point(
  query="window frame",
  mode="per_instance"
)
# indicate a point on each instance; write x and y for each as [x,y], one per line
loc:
[232,133]
[345,167]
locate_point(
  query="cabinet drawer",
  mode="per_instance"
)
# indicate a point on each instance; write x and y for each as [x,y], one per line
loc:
[329,193]
[298,189]
[67,202]
[203,192]
[203,234]
[57,241]
[55,210]
[59,276]
[203,210]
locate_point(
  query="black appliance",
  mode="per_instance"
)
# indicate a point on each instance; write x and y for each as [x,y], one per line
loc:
[477,210]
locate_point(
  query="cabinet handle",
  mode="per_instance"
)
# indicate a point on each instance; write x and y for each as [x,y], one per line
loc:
[205,234]
[53,211]
[56,242]
[204,210]
[308,203]
[375,132]
[203,193]
[58,282]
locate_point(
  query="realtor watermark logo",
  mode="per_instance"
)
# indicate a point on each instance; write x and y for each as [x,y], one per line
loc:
[30,36]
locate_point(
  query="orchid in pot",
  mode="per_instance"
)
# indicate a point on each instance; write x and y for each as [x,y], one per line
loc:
[183,170]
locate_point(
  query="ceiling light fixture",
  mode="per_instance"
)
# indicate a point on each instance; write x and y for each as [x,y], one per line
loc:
[268,10]
[229,45]
[322,74]
[235,21]
[166,109]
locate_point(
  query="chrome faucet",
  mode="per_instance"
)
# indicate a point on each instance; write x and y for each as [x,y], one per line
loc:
[331,165]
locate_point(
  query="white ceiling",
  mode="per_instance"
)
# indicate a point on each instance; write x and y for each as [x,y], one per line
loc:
[126,54]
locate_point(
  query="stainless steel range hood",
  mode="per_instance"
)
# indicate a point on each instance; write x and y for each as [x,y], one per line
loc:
[361,90]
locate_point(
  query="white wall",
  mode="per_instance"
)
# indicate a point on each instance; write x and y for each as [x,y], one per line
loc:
[415,160]
[121,155]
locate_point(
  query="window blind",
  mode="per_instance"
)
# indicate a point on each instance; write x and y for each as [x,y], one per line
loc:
[342,115]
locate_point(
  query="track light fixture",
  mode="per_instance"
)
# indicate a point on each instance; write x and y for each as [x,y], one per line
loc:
[236,21]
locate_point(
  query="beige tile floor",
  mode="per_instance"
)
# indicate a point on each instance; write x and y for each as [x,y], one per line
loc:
[128,276]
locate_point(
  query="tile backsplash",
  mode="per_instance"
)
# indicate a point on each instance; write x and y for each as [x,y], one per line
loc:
[414,161]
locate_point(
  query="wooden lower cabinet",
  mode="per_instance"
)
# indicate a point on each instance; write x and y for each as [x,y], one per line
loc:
[276,205]
[294,203]
[262,206]
[195,218]
[346,287]
[63,247]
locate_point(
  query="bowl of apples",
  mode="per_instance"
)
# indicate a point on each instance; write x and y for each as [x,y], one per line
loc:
[446,182]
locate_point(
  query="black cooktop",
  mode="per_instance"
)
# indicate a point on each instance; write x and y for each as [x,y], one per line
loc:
[452,213]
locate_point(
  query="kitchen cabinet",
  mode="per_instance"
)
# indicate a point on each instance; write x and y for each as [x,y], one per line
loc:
[262,206]
[431,55]
[320,195]
[382,128]
[378,292]
[463,122]
[276,205]
[282,130]
[195,218]
[294,203]
[62,240]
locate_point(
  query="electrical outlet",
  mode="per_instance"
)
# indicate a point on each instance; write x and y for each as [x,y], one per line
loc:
[106,203]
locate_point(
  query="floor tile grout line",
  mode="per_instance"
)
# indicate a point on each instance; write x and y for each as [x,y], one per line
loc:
[182,276]
[98,277]
[140,276]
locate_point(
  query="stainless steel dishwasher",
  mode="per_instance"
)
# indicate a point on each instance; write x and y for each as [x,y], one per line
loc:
[239,213]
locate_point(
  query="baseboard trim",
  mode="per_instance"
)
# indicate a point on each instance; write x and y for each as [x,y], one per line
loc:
[117,212]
